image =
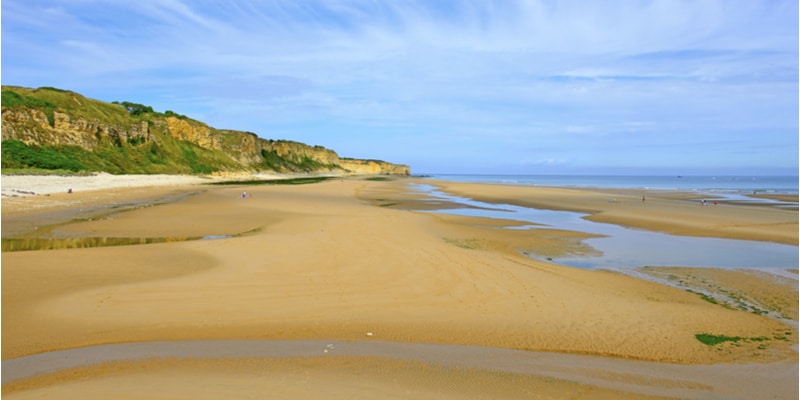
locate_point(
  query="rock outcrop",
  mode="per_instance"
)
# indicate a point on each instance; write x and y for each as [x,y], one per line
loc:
[298,152]
[31,126]
[193,131]
[374,167]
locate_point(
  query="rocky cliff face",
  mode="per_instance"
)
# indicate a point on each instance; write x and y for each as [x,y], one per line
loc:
[195,132]
[242,147]
[32,126]
[298,152]
[53,117]
[247,150]
[374,167]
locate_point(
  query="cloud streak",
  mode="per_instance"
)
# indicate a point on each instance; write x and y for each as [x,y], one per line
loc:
[490,82]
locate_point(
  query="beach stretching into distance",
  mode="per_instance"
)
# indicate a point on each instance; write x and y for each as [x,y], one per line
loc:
[348,288]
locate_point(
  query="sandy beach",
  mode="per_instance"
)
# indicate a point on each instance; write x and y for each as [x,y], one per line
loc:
[353,261]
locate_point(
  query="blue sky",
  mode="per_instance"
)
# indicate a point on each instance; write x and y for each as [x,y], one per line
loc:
[523,87]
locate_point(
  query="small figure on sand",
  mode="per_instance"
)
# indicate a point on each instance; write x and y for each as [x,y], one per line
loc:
[69,190]
[244,194]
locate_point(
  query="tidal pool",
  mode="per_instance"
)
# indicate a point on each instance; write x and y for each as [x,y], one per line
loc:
[36,243]
[644,377]
[622,247]
[35,232]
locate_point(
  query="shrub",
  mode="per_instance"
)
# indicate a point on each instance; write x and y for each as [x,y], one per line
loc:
[273,161]
[135,140]
[194,161]
[170,113]
[135,108]
[53,89]
[16,154]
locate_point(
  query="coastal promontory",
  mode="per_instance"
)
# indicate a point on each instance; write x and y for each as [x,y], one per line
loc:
[54,129]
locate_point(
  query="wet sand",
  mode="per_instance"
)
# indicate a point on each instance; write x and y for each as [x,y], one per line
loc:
[406,369]
[343,258]
[672,212]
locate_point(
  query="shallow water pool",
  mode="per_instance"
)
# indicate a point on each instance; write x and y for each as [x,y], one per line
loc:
[622,247]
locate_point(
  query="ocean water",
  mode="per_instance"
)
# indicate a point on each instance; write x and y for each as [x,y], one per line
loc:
[704,184]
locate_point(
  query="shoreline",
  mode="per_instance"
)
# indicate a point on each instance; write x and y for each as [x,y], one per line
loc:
[700,184]
[669,212]
[334,261]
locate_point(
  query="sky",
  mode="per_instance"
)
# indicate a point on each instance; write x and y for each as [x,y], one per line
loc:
[476,87]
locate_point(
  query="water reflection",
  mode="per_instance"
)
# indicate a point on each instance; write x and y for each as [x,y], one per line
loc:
[36,243]
[35,232]
[626,247]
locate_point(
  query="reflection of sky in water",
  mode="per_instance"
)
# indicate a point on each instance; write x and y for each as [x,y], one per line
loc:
[625,247]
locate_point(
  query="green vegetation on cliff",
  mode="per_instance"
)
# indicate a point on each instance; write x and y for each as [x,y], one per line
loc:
[56,129]
[18,155]
[15,100]
[50,99]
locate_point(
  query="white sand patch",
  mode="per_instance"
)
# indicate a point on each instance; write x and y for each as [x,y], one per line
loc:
[29,185]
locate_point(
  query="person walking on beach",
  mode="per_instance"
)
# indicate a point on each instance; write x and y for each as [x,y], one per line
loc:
[244,194]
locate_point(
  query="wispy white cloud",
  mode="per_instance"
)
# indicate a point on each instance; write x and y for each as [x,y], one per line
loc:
[568,77]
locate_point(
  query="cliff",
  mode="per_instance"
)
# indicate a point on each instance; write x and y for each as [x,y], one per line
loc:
[373,167]
[57,129]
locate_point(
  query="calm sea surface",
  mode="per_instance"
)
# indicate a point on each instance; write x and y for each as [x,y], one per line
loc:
[704,184]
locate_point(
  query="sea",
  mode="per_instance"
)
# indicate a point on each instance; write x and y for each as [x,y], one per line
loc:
[765,184]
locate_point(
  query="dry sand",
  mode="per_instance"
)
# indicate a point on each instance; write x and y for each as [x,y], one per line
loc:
[339,259]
